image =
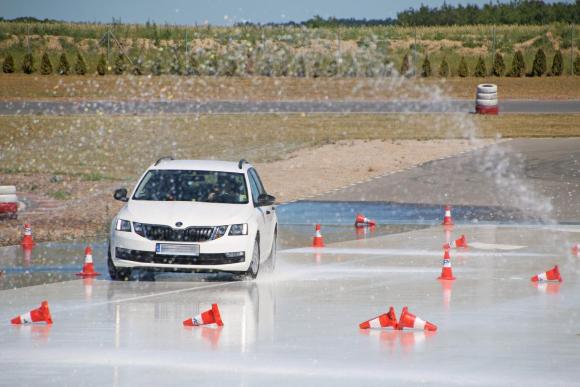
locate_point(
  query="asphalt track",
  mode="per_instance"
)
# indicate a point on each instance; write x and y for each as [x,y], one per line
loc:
[249,107]
[299,326]
[540,177]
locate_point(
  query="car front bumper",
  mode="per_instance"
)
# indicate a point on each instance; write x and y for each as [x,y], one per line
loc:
[133,251]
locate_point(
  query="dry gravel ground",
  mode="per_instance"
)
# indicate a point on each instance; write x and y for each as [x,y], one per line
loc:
[65,207]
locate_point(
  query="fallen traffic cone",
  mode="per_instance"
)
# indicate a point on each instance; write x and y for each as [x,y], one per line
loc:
[210,316]
[41,314]
[317,240]
[458,243]
[27,240]
[88,267]
[409,320]
[576,249]
[447,220]
[382,321]
[361,221]
[551,275]
[446,270]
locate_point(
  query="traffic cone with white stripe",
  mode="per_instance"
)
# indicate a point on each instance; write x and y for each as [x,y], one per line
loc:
[88,267]
[409,320]
[27,241]
[458,243]
[41,314]
[362,221]
[551,275]
[446,270]
[382,321]
[210,316]
[317,240]
[447,220]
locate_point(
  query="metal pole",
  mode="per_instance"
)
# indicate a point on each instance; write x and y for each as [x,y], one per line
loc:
[415,54]
[186,54]
[109,46]
[572,51]
[28,37]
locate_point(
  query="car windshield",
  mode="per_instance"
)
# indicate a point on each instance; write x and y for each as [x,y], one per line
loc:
[193,186]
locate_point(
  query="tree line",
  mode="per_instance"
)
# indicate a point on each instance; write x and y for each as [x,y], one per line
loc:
[210,64]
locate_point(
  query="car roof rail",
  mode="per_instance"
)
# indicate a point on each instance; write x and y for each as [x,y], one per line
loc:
[163,158]
[242,162]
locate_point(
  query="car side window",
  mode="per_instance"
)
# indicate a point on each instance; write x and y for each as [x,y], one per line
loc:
[258,181]
[253,188]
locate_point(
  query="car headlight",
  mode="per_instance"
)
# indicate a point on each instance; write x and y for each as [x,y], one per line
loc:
[139,229]
[239,229]
[220,231]
[123,225]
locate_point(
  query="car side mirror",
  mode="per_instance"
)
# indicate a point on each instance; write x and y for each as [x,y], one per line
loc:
[265,200]
[121,194]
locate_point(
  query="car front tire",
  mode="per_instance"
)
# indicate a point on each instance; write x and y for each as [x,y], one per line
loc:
[252,271]
[117,274]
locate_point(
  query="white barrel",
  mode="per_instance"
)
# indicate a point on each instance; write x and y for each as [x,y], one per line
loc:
[7,189]
[486,102]
[486,95]
[8,198]
[487,88]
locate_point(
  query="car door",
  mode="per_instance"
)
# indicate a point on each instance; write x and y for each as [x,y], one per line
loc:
[260,216]
[266,212]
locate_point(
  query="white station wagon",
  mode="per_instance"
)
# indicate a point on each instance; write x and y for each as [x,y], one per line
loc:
[194,216]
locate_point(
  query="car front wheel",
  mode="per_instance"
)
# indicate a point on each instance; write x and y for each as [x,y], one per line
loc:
[252,271]
[117,274]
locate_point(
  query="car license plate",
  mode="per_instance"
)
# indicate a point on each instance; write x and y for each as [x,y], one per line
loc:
[177,249]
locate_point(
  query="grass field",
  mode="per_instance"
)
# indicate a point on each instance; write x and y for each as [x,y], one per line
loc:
[117,147]
[359,50]
[33,87]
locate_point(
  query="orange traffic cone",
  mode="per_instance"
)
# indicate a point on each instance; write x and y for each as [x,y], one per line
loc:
[41,314]
[446,270]
[409,320]
[458,243]
[382,321]
[447,220]
[362,221]
[210,316]
[551,275]
[317,240]
[27,240]
[88,267]
[576,249]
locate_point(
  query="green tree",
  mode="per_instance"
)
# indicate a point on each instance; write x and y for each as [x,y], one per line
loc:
[426,67]
[175,65]
[577,65]
[539,66]
[120,65]
[45,65]
[137,68]
[63,65]
[102,65]
[80,65]
[156,66]
[405,66]
[444,68]
[28,64]
[8,65]
[480,69]
[462,70]
[498,67]
[518,65]
[557,64]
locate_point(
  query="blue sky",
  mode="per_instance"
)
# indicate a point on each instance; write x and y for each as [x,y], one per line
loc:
[222,12]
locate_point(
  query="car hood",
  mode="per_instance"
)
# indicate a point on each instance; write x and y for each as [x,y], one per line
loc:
[189,213]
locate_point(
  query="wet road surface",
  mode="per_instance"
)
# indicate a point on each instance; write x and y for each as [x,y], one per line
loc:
[249,107]
[300,324]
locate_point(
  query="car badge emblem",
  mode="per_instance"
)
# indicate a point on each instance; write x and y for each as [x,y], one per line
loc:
[178,224]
